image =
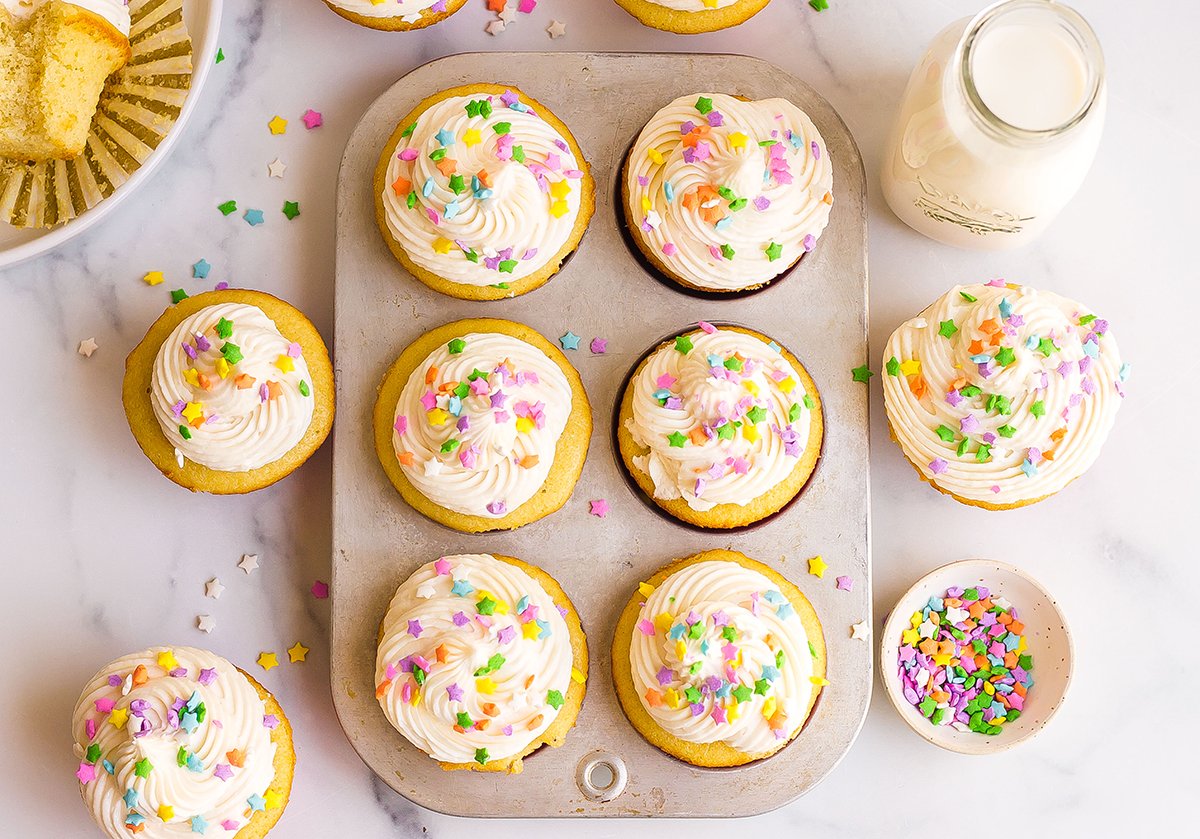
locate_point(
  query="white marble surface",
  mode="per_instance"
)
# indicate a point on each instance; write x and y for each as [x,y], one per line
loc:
[101,555]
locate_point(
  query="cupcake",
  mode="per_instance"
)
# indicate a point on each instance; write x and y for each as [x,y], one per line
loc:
[720,427]
[177,741]
[395,15]
[483,424]
[229,391]
[718,660]
[482,193]
[690,17]
[482,660]
[722,194]
[56,57]
[1000,395]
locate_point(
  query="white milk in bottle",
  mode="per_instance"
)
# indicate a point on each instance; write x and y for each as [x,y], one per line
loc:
[998,126]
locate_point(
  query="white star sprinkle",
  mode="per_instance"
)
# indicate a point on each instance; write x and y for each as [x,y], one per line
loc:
[509,14]
[556,29]
[205,623]
[88,346]
[249,562]
[495,27]
[860,631]
[213,589]
[276,168]
[179,457]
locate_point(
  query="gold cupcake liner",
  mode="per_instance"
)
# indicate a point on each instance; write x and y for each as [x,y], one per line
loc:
[137,109]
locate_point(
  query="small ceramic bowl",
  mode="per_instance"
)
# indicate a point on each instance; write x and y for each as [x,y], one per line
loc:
[1047,636]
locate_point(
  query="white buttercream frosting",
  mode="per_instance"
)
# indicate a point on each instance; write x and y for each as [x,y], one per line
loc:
[410,11]
[229,391]
[481,190]
[1001,393]
[728,194]
[693,5]
[719,655]
[115,12]
[475,659]
[478,421]
[171,740]
[725,417]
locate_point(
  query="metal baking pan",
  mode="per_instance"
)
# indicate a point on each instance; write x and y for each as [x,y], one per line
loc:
[819,312]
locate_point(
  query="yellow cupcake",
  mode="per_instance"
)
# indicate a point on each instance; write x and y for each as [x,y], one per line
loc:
[720,450]
[395,15]
[691,17]
[481,192]
[771,671]
[215,415]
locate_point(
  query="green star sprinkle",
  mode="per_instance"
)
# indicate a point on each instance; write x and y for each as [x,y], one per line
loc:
[493,664]
[809,402]
[725,432]
[481,756]
[232,352]
[983,453]
[727,251]
[762,687]
[518,154]
[506,266]
[412,199]
[143,768]
[456,346]
[678,439]
[733,363]
[1006,431]
[729,633]
[1005,356]
[970,390]
[962,447]
[742,693]
[947,329]
[304,390]
[449,446]
[178,295]
[774,251]
[683,344]
[486,606]
[756,414]
[893,366]
[461,390]
[408,131]
[863,374]
[819,5]
[968,297]
[220,56]
[1086,319]
[1046,347]
[704,105]
[1038,409]
[946,433]
[555,699]
[185,432]
[224,328]
[692,695]
[456,184]
[93,753]
[464,720]
[793,412]
[502,127]
[228,207]
[291,209]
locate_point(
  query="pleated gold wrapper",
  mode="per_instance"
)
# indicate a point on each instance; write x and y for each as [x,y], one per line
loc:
[137,109]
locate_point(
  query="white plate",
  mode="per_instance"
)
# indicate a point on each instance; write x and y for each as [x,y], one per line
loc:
[203,19]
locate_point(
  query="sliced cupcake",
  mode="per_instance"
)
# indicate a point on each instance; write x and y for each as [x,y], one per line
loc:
[178,741]
[691,17]
[720,427]
[395,15]
[718,660]
[722,194]
[482,661]
[482,425]
[1000,395]
[229,391]
[482,192]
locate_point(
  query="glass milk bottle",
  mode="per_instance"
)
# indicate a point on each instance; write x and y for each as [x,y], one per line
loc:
[998,126]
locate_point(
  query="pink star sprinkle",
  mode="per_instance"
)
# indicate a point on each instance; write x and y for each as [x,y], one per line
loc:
[599,346]
[320,590]
[442,567]
[86,773]
[845,583]
[312,119]
[599,508]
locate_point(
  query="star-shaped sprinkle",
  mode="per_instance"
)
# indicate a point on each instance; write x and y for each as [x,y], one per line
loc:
[312,119]
[199,825]
[297,652]
[268,660]
[205,623]
[220,56]
[862,374]
[320,590]
[860,631]
[276,168]
[291,209]
[226,208]
[143,768]
[278,125]
[249,563]
[273,799]
[256,803]
[845,583]
[495,27]
[223,771]
[213,589]
[556,29]
[774,251]
[599,346]
[599,508]
[86,773]
[508,14]
[88,346]
[817,566]
[570,341]
[254,217]
[201,268]
[154,277]
[677,439]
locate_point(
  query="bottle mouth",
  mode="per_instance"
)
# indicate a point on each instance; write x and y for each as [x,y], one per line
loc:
[1070,24]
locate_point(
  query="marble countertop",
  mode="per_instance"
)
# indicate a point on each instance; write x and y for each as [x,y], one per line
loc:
[102,556]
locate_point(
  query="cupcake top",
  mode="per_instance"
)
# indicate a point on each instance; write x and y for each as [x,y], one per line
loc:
[481,190]
[724,414]
[229,391]
[693,5]
[478,421]
[475,659]
[409,11]
[115,12]
[173,740]
[720,655]
[1002,394]
[726,193]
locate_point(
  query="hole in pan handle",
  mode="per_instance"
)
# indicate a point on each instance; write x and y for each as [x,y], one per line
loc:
[601,776]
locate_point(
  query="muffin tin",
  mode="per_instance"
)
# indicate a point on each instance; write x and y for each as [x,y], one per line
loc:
[820,313]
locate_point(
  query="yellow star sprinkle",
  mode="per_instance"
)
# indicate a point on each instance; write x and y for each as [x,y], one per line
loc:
[733,711]
[910,637]
[818,681]
[645,589]
[268,660]
[119,717]
[285,363]
[751,387]
[438,417]
[577,676]
[192,411]
[663,622]
[671,698]
[737,140]
[278,124]
[524,425]
[768,708]
[166,812]
[712,4]
[416,697]
[531,630]
[166,659]
[442,245]
[911,367]
[297,653]
[485,686]
[154,277]
[471,137]
[817,566]
[646,205]
[272,800]
[560,189]
[915,620]
[749,432]
[191,377]
[942,660]
[680,650]
[655,156]
[222,367]
[559,208]
[787,385]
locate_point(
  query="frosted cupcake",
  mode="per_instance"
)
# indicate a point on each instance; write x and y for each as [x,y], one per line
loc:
[1000,395]
[395,15]
[689,17]
[177,741]
[482,660]
[481,192]
[723,194]
[718,660]
[720,427]
[483,425]
[229,391]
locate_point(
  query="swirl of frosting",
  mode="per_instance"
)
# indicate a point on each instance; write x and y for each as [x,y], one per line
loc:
[229,391]
[728,194]
[478,421]
[724,414]
[173,741]
[409,11]
[693,5]
[720,655]
[115,12]
[1002,394]
[481,190]
[475,659]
